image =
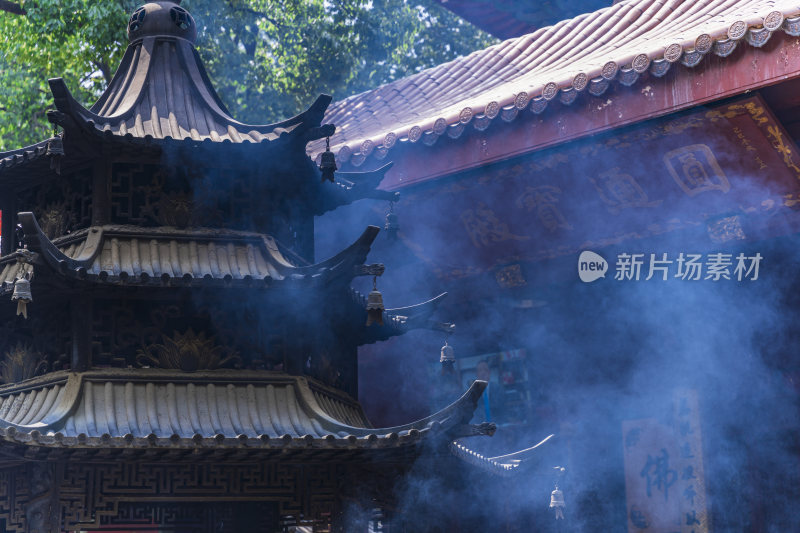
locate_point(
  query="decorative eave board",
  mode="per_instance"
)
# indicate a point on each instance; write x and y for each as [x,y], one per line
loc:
[726,174]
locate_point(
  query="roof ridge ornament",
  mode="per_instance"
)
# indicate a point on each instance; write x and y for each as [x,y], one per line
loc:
[162,18]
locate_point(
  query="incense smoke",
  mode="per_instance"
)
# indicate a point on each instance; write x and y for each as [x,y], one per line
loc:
[599,354]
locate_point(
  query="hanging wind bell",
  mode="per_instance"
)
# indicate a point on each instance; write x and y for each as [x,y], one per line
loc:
[557,497]
[448,355]
[557,503]
[327,163]
[375,304]
[23,296]
[392,224]
[55,151]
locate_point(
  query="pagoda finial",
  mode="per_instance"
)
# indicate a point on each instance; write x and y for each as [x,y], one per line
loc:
[162,19]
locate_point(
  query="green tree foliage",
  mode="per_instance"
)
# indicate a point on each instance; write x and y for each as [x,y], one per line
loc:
[267,58]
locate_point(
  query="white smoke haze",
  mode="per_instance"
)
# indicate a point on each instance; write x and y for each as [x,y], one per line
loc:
[600,354]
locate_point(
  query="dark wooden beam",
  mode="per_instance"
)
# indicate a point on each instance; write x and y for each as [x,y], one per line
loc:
[101,191]
[81,311]
[8,201]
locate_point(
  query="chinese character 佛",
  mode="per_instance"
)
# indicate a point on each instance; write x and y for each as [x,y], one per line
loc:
[658,474]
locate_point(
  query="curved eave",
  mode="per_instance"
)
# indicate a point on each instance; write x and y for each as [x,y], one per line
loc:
[353,255]
[22,156]
[254,260]
[523,456]
[162,92]
[352,186]
[505,465]
[146,408]
[400,320]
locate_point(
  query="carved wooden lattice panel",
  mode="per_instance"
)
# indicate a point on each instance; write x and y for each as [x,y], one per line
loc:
[216,517]
[92,494]
[45,336]
[152,194]
[130,185]
[54,497]
[122,327]
[27,498]
[61,206]
[13,494]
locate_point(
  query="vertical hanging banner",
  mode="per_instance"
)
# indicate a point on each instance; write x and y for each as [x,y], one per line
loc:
[691,474]
[664,476]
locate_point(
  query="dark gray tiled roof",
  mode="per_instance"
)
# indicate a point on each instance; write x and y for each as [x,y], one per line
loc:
[23,155]
[587,53]
[143,408]
[161,91]
[132,254]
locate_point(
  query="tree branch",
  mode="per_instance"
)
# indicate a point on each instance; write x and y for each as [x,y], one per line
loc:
[12,7]
[251,11]
[104,69]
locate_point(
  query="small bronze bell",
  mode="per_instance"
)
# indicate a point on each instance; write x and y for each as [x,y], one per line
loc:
[557,503]
[55,151]
[448,354]
[327,164]
[392,224]
[375,305]
[22,294]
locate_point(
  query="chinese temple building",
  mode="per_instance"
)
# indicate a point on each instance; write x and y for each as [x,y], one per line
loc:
[174,358]
[645,131]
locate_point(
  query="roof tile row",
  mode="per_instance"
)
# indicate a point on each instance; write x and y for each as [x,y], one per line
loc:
[618,43]
[154,408]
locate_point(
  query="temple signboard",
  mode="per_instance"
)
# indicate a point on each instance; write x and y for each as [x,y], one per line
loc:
[704,172]
[664,474]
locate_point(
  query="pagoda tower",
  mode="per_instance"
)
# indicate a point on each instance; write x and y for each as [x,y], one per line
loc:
[173,356]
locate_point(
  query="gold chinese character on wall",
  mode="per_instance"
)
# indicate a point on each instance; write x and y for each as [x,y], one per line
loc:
[484,227]
[619,191]
[544,202]
[695,169]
